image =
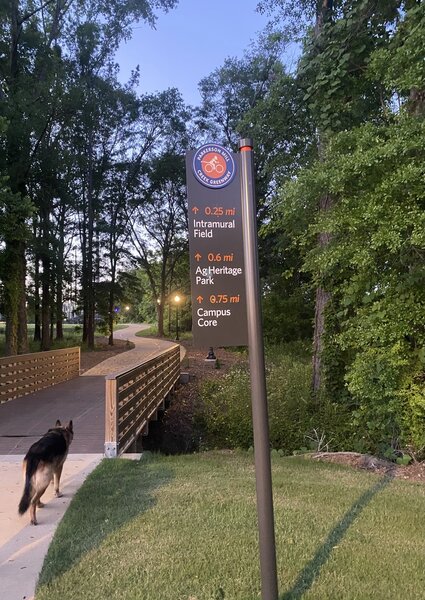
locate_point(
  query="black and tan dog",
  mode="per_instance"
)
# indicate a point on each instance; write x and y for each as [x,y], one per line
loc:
[42,463]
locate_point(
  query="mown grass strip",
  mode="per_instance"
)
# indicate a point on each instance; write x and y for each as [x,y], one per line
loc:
[184,528]
[72,336]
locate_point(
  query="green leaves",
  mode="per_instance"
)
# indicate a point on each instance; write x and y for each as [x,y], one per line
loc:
[400,64]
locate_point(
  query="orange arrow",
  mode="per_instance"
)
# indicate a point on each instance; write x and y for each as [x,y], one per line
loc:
[199,299]
[198,256]
[195,209]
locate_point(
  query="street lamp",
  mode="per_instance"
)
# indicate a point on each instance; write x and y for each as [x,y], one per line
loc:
[177,299]
[127,312]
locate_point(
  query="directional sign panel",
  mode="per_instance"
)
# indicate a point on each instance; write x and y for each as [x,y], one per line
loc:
[216,247]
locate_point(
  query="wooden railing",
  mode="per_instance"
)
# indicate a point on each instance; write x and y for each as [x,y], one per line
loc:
[27,373]
[132,397]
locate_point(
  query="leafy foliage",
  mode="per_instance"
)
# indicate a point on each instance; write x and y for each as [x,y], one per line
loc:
[225,412]
[374,265]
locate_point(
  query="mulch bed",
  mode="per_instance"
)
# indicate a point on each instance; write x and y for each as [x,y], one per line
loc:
[413,472]
[89,359]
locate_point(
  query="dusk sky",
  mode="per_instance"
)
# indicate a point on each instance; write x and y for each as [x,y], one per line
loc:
[189,43]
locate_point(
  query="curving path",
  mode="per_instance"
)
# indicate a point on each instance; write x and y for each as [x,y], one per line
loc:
[144,348]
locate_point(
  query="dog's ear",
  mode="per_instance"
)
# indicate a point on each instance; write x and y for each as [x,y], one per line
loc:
[58,423]
[70,427]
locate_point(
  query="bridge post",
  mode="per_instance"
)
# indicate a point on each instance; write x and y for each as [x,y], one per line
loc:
[111,418]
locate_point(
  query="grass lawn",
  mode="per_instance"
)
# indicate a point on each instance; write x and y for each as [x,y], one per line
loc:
[72,336]
[184,528]
[152,331]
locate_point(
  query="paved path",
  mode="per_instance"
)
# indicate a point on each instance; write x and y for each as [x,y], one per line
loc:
[144,348]
[82,399]
[23,421]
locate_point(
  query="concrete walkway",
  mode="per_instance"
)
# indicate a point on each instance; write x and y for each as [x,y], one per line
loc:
[23,547]
[22,422]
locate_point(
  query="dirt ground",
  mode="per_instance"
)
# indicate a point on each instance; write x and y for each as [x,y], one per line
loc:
[103,351]
[413,472]
[174,433]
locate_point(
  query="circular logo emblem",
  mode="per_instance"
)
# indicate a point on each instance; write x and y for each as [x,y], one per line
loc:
[213,166]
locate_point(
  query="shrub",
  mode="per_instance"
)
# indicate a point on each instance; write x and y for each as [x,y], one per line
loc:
[413,418]
[226,417]
[225,411]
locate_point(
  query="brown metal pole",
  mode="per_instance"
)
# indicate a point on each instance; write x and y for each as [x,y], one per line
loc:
[263,477]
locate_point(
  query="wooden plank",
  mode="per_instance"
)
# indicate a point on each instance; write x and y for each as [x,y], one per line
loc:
[138,393]
[38,356]
[111,412]
[135,390]
[26,373]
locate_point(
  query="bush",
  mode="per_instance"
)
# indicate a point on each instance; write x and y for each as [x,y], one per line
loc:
[226,415]
[413,418]
[225,412]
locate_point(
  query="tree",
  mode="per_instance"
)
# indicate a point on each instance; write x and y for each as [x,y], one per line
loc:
[24,74]
[338,94]
[36,43]
[160,225]
[373,263]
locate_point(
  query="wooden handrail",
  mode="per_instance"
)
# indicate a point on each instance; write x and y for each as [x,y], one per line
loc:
[27,373]
[133,396]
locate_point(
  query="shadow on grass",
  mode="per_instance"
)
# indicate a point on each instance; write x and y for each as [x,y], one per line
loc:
[115,493]
[312,569]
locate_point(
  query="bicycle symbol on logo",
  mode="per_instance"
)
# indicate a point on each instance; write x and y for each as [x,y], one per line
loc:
[213,166]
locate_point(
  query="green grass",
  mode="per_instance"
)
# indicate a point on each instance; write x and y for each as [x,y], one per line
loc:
[152,331]
[72,335]
[184,528]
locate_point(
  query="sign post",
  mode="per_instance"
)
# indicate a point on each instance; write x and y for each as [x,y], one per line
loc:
[258,379]
[226,298]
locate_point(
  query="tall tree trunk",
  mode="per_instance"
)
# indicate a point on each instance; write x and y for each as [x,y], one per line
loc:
[11,297]
[90,248]
[112,299]
[60,270]
[111,302]
[59,304]
[15,261]
[160,315]
[45,304]
[37,319]
[84,274]
[22,322]
[325,203]
[322,299]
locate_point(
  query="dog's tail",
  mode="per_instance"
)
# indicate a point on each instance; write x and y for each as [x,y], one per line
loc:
[30,465]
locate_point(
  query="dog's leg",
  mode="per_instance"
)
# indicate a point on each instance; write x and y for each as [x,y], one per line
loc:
[33,520]
[41,481]
[35,502]
[57,476]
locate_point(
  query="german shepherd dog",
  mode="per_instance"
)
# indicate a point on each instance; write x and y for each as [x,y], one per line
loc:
[42,463]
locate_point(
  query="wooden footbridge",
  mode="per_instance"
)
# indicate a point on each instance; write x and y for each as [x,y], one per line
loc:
[109,413]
